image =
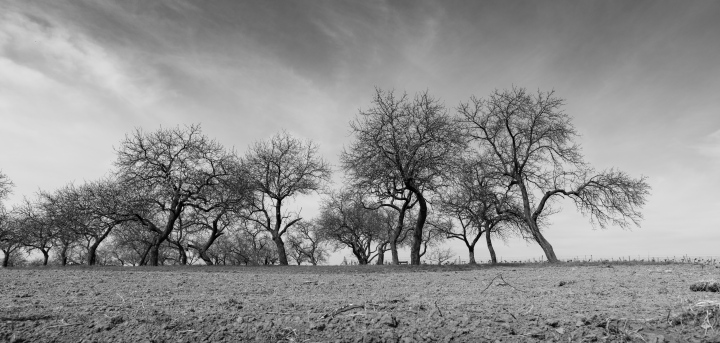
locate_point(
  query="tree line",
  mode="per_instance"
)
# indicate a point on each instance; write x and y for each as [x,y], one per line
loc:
[415,173]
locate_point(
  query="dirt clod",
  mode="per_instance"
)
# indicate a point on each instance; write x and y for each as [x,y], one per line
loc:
[705,286]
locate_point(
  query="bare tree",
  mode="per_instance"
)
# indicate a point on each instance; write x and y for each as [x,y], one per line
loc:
[479,201]
[403,139]
[10,239]
[165,171]
[440,255]
[178,239]
[310,242]
[87,212]
[37,232]
[532,144]
[247,243]
[220,210]
[346,222]
[10,235]
[391,195]
[130,243]
[433,235]
[296,251]
[282,168]
[6,186]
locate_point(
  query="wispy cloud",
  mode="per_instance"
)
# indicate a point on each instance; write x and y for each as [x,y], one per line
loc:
[709,146]
[70,58]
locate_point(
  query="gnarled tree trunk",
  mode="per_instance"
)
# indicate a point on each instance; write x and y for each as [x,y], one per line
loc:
[415,252]
[493,258]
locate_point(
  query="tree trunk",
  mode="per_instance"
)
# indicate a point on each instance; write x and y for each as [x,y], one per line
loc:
[544,244]
[282,256]
[394,252]
[155,255]
[63,256]
[381,256]
[92,253]
[415,253]
[143,257]
[276,235]
[532,223]
[493,258]
[202,251]
[398,230]
[205,257]
[46,256]
[6,258]
[471,255]
[182,254]
[360,256]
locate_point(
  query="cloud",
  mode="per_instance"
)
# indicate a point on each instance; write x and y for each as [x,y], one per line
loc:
[70,58]
[709,146]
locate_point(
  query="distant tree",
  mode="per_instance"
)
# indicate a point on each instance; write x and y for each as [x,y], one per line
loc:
[312,243]
[37,232]
[480,202]
[440,255]
[391,196]
[296,251]
[220,210]
[281,168]
[247,243]
[532,144]
[10,236]
[6,186]
[178,239]
[166,171]
[433,236]
[346,222]
[409,141]
[131,243]
[88,212]
[390,223]
[10,240]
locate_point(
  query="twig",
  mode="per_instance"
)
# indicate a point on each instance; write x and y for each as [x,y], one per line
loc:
[438,309]
[341,310]
[607,326]
[501,278]
[62,325]
[508,311]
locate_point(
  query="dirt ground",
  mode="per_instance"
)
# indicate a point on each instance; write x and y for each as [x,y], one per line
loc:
[515,303]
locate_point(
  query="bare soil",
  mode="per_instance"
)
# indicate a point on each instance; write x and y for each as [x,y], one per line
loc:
[512,303]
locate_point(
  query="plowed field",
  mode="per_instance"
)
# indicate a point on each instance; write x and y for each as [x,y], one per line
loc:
[515,303]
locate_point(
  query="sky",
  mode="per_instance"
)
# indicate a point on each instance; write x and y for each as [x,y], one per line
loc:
[640,78]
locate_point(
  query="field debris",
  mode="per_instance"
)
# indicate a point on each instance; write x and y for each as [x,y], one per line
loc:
[704,314]
[504,283]
[705,286]
[341,310]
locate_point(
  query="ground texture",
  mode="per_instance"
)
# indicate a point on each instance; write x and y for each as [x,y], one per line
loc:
[515,303]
